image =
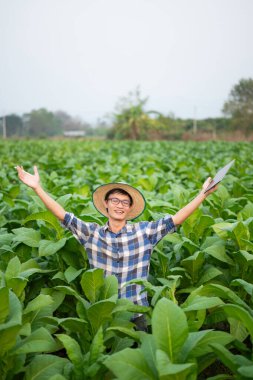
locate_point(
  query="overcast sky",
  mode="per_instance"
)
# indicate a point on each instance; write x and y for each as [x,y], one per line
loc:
[81,56]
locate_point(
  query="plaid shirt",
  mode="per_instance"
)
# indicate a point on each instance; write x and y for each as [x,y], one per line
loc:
[125,254]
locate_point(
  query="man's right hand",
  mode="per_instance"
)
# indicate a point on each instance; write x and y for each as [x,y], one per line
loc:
[31,180]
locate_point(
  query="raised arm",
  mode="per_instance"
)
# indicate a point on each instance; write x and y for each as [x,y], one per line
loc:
[33,181]
[186,211]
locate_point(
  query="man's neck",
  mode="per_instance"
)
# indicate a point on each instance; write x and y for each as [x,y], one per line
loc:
[116,225]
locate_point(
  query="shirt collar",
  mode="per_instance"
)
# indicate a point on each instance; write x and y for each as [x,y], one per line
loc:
[127,228]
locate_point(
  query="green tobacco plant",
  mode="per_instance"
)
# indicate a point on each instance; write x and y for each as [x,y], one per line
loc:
[171,352]
[17,274]
[22,333]
[100,324]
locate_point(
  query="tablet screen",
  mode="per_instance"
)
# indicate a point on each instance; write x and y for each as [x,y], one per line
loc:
[220,175]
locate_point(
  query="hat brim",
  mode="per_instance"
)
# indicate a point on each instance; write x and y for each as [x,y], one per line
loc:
[137,207]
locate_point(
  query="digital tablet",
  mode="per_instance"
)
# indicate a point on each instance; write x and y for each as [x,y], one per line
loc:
[219,176]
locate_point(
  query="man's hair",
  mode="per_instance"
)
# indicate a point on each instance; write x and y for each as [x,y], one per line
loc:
[118,191]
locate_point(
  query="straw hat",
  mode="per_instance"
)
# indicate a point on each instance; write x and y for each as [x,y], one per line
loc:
[137,207]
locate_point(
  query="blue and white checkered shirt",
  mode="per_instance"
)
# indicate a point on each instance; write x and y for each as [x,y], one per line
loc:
[125,254]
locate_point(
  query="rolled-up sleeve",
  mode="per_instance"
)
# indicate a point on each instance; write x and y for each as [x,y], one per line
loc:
[156,230]
[78,227]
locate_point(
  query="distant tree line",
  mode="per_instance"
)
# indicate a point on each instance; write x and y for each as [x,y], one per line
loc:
[131,120]
[42,123]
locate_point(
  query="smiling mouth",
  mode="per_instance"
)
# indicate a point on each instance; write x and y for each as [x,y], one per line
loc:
[119,212]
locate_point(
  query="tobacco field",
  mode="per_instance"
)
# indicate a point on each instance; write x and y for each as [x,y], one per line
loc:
[60,320]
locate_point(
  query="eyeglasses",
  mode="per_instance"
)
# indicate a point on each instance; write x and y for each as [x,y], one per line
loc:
[116,201]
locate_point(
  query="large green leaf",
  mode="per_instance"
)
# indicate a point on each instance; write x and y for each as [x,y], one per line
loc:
[202,346]
[246,257]
[110,287]
[220,291]
[27,236]
[188,244]
[73,349]
[14,191]
[41,301]
[49,247]
[56,296]
[225,356]
[91,282]
[29,272]
[237,329]
[221,229]
[129,364]
[172,371]
[193,264]
[244,284]
[246,212]
[17,284]
[4,304]
[148,347]
[97,346]
[191,342]
[72,273]
[246,371]
[8,338]
[69,291]
[99,312]
[218,252]
[126,331]
[200,302]
[39,341]
[246,244]
[15,312]
[42,367]
[124,304]
[147,183]
[170,328]
[13,268]
[73,324]
[237,312]
[241,232]
[209,273]
[10,328]
[5,239]
[204,221]
[47,217]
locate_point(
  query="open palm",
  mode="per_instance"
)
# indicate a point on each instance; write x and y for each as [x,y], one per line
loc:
[31,180]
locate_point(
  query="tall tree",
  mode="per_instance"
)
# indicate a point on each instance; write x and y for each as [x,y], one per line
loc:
[13,124]
[132,121]
[240,105]
[130,117]
[69,123]
[42,123]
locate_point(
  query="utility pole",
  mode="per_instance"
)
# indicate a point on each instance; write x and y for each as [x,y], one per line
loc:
[194,129]
[4,127]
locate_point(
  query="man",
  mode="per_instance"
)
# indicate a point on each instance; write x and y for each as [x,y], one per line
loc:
[119,248]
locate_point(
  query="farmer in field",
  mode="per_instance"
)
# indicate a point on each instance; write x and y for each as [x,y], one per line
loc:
[120,248]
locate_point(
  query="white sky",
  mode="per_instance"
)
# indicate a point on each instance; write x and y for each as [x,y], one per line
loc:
[80,56]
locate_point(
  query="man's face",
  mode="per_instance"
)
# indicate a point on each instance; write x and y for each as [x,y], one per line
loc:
[118,206]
